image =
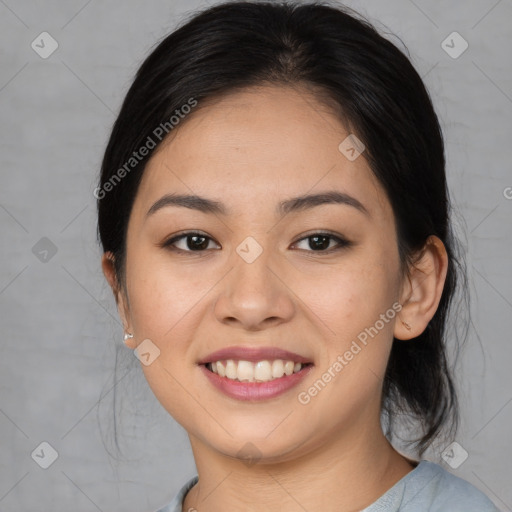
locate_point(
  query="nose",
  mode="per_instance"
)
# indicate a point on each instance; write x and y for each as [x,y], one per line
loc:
[254,296]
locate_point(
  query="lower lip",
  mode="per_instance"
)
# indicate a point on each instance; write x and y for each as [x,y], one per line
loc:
[255,390]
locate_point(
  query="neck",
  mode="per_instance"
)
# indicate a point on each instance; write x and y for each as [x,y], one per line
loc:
[348,474]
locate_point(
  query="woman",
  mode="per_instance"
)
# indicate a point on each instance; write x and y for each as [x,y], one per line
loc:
[274,217]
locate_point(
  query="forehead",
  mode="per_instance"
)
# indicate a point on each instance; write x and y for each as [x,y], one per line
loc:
[257,146]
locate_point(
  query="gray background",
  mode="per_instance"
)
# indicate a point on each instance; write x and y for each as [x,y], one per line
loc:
[59,325]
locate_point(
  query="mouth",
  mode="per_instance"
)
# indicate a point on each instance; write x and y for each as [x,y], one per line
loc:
[248,373]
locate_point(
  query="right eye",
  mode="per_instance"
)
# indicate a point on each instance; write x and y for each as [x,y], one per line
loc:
[191,241]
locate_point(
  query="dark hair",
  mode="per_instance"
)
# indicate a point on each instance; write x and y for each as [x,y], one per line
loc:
[340,56]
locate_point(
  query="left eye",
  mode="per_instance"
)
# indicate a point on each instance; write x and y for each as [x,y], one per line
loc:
[321,242]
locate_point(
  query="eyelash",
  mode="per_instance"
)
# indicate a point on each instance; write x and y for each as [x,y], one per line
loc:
[342,242]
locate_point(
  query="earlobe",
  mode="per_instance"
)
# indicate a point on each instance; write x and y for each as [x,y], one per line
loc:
[127,340]
[422,292]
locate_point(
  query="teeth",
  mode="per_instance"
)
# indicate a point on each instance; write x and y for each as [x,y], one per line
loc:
[247,371]
[263,371]
[231,369]
[277,368]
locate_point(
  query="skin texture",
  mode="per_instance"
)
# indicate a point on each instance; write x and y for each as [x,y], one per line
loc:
[250,150]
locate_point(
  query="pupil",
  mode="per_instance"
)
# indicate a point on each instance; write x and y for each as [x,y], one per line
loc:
[199,242]
[319,242]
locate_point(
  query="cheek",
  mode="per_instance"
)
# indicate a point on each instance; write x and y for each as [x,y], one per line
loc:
[163,300]
[356,350]
[350,296]
[350,300]
[166,307]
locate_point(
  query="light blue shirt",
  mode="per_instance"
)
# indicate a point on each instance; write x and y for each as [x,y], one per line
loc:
[428,487]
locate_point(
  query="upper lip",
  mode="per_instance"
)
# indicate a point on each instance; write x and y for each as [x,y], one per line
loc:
[253,354]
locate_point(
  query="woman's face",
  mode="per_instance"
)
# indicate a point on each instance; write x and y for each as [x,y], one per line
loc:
[256,281]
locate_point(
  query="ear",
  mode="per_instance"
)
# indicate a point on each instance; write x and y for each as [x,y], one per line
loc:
[422,289]
[107,264]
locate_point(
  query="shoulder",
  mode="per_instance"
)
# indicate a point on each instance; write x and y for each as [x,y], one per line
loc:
[430,487]
[176,504]
[427,488]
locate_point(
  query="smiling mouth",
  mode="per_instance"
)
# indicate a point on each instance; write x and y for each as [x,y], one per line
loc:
[260,371]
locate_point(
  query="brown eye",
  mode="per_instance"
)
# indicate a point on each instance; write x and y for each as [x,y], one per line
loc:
[190,242]
[197,243]
[322,242]
[319,242]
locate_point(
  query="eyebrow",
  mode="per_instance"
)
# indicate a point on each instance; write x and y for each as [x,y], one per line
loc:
[295,204]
